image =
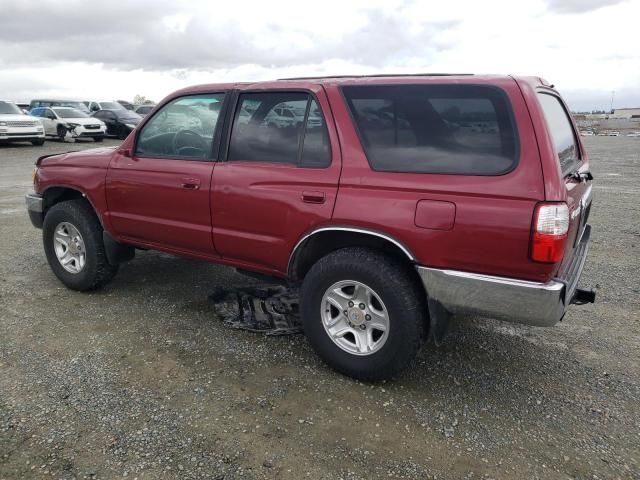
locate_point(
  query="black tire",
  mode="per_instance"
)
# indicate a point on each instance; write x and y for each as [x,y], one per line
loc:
[61,131]
[123,132]
[37,143]
[399,293]
[97,271]
[98,139]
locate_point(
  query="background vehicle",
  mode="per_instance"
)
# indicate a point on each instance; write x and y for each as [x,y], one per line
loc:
[125,104]
[62,121]
[15,126]
[106,105]
[143,110]
[119,122]
[58,103]
[393,203]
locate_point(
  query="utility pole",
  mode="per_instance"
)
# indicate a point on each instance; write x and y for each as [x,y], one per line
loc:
[613,92]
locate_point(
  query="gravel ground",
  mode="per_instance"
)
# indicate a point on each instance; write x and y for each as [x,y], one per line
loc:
[140,380]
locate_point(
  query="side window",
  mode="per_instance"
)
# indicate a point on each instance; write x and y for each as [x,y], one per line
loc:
[184,128]
[561,131]
[279,127]
[48,113]
[316,152]
[446,129]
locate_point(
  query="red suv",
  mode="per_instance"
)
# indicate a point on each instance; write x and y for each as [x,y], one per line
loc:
[393,201]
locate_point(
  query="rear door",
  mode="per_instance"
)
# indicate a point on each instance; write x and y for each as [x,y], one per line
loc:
[279,176]
[159,194]
[572,163]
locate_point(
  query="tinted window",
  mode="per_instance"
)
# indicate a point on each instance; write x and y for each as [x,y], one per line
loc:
[454,129]
[561,131]
[70,113]
[183,128]
[111,106]
[279,127]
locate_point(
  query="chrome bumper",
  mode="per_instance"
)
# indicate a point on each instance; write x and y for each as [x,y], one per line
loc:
[35,208]
[518,301]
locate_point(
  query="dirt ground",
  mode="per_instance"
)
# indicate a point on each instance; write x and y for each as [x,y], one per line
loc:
[141,380]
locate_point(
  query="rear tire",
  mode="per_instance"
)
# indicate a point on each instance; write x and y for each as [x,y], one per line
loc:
[75,224]
[396,311]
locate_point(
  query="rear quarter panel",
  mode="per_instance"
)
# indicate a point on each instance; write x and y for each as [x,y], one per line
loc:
[493,214]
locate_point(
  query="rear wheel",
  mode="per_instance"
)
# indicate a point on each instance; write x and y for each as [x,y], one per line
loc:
[363,313]
[73,244]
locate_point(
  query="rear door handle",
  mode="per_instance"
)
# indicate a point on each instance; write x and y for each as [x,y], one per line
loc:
[190,183]
[313,197]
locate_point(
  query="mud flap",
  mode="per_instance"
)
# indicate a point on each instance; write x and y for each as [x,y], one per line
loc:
[272,310]
[439,319]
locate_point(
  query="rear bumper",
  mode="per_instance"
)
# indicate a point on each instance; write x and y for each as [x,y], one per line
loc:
[35,209]
[518,301]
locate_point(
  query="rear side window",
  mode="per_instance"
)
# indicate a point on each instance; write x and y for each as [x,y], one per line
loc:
[446,129]
[280,127]
[561,130]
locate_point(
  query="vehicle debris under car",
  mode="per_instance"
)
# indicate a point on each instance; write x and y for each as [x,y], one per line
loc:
[272,310]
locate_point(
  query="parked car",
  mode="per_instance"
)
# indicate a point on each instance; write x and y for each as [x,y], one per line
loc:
[143,110]
[106,105]
[119,122]
[633,134]
[126,105]
[614,134]
[586,133]
[61,122]
[15,126]
[388,227]
[58,103]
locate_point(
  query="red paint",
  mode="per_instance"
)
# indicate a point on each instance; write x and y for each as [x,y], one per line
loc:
[435,215]
[251,215]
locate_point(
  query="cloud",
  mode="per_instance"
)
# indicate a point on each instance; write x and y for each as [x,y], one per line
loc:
[157,36]
[579,6]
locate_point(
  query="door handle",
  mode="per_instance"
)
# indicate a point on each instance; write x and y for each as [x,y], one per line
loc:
[313,197]
[191,183]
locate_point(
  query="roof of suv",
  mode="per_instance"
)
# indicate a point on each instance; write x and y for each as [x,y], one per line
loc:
[382,79]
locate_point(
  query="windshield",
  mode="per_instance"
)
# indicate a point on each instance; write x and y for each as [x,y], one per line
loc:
[6,107]
[69,113]
[111,106]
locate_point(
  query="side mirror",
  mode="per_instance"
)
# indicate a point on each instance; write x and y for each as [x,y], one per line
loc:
[125,152]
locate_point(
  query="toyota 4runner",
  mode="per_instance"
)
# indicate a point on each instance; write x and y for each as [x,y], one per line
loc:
[392,201]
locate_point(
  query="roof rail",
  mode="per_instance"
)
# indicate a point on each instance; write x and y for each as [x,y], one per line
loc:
[377,75]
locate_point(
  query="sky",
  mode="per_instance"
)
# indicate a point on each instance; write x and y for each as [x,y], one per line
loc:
[111,49]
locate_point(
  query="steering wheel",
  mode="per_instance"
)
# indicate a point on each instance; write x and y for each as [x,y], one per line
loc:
[188,142]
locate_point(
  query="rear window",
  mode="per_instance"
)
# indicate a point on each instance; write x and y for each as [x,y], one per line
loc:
[561,130]
[446,129]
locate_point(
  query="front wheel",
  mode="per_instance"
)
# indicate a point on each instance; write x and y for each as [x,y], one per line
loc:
[98,139]
[73,244]
[363,313]
[37,143]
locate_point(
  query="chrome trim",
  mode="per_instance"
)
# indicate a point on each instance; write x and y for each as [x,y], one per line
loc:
[34,202]
[348,229]
[519,301]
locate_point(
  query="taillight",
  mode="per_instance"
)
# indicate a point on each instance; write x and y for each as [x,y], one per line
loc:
[550,227]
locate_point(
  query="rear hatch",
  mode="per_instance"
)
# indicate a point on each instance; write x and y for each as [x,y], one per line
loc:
[574,167]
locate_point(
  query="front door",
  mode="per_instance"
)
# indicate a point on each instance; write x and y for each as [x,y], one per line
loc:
[279,179]
[159,195]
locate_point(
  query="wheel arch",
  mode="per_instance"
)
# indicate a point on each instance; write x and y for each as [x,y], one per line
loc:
[54,194]
[322,241]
